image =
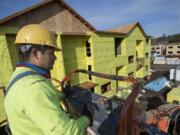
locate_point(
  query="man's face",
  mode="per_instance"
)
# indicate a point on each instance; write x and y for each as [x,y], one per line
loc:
[46,59]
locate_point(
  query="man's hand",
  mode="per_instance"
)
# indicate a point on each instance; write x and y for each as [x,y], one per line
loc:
[67,90]
[90,131]
[89,111]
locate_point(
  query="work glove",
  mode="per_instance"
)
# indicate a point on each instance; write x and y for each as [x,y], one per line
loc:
[67,91]
[89,111]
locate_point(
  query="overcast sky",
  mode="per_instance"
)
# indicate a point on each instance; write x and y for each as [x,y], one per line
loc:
[157,17]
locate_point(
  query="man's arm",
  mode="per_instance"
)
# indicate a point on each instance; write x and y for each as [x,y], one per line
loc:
[43,108]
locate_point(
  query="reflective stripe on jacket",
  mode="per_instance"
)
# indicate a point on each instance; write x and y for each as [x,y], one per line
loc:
[32,107]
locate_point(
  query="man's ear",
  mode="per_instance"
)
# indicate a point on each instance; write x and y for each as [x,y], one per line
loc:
[35,53]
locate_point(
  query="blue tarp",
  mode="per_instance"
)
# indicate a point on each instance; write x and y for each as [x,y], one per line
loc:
[157,85]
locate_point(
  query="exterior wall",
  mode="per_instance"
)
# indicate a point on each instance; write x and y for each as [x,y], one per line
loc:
[173,49]
[58,71]
[53,16]
[157,49]
[8,58]
[74,56]
[2,112]
[177,49]
[170,49]
[8,55]
[103,58]
[140,48]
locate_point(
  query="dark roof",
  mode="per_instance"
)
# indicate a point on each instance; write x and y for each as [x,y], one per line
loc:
[126,29]
[64,4]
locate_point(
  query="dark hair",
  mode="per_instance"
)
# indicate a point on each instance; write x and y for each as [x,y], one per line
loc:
[25,55]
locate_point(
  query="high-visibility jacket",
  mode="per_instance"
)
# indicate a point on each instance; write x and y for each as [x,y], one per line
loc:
[32,107]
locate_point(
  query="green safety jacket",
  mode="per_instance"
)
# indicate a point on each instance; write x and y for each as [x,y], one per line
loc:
[32,107]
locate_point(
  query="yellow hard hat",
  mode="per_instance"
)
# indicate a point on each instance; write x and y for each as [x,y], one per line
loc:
[35,34]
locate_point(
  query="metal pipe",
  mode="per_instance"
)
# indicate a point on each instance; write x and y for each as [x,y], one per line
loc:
[124,120]
[101,75]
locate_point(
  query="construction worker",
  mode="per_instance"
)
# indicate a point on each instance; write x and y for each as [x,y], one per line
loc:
[32,102]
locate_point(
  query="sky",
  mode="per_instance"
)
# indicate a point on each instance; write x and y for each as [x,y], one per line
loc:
[157,17]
